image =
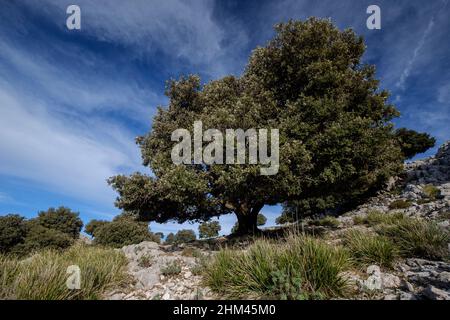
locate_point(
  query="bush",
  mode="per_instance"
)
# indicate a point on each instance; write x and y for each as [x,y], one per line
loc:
[209,229]
[431,192]
[145,261]
[43,276]
[376,217]
[61,219]
[171,268]
[39,237]
[418,238]
[12,232]
[170,239]
[369,249]
[93,225]
[327,221]
[261,220]
[307,267]
[185,236]
[400,204]
[122,232]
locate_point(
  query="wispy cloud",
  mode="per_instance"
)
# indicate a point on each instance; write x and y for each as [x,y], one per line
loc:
[406,72]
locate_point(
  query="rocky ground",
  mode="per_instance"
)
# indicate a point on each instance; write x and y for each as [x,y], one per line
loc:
[164,272]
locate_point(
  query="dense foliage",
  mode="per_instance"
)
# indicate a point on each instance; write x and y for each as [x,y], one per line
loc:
[61,219]
[337,143]
[93,226]
[209,229]
[412,142]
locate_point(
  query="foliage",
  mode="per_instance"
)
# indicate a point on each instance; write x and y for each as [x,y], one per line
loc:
[418,238]
[170,239]
[284,219]
[431,192]
[145,261]
[327,221]
[336,145]
[369,249]
[171,268]
[61,219]
[43,276]
[12,231]
[123,232]
[94,225]
[400,204]
[261,220]
[303,267]
[412,142]
[185,236]
[209,229]
[375,217]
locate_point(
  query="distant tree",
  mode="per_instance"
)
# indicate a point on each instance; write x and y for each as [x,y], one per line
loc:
[123,232]
[61,219]
[93,225]
[209,229]
[40,237]
[261,220]
[412,142]
[337,142]
[170,239]
[12,231]
[185,236]
[283,219]
[159,234]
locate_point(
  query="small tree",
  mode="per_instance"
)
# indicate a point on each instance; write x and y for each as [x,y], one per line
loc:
[170,239]
[122,232]
[94,225]
[209,229]
[185,236]
[261,220]
[412,142]
[61,219]
[12,231]
[39,237]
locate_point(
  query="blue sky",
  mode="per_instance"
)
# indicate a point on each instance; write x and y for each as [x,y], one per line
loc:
[72,102]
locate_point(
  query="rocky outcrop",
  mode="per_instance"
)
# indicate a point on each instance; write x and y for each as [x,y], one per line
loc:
[162,272]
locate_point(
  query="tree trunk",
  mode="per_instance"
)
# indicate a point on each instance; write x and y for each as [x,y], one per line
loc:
[247,220]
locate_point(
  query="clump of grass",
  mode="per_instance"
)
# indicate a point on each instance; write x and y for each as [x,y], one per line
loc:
[376,217]
[327,221]
[368,249]
[419,238]
[400,204]
[171,268]
[201,262]
[43,276]
[431,192]
[303,267]
[145,261]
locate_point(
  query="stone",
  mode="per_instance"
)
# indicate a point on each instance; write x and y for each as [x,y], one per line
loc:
[166,296]
[434,293]
[390,281]
[373,269]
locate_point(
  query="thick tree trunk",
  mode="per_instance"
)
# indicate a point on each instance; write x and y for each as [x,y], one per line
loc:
[247,220]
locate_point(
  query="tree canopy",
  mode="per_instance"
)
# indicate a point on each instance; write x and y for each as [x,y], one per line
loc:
[336,142]
[209,229]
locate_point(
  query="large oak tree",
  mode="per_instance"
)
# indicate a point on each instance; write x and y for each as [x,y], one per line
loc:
[336,139]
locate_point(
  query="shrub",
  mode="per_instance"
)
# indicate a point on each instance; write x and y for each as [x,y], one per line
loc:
[145,261]
[308,267]
[171,268]
[93,225]
[121,233]
[431,192]
[185,236]
[400,204]
[170,239]
[327,221]
[61,219]
[368,249]
[261,220]
[12,232]
[39,237]
[43,276]
[376,217]
[418,238]
[209,229]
